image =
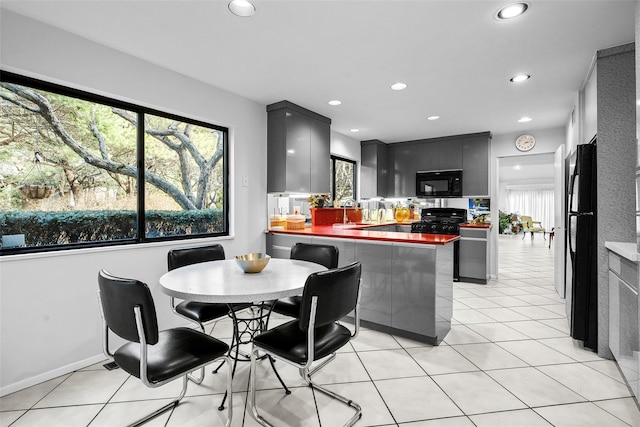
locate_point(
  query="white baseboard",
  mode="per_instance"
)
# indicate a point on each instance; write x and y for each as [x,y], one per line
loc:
[46,376]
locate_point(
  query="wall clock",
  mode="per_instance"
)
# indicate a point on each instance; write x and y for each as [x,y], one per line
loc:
[525,142]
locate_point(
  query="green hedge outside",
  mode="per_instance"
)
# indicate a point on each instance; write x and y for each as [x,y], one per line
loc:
[59,228]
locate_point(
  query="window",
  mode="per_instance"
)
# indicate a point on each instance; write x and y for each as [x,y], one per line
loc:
[70,175]
[343,179]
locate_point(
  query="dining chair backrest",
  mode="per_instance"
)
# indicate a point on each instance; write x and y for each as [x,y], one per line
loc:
[181,257]
[337,295]
[326,255]
[118,297]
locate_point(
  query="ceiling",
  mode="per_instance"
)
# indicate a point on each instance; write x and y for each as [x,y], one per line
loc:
[455,57]
[537,168]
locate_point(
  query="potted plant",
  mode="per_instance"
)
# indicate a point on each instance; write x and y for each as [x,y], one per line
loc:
[318,200]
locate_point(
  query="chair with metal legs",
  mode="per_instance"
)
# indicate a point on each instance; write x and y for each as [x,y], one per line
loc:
[200,312]
[328,296]
[326,255]
[155,357]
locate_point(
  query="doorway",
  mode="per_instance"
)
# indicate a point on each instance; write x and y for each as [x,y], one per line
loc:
[527,185]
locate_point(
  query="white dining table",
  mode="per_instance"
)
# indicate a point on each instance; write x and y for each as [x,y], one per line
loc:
[224,281]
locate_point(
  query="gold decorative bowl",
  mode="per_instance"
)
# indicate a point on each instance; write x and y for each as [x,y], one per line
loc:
[253,263]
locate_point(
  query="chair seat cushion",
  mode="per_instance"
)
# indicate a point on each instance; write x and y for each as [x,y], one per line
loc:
[288,306]
[205,312]
[178,351]
[289,342]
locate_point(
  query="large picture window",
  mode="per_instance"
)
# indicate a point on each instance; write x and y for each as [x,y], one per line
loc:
[78,169]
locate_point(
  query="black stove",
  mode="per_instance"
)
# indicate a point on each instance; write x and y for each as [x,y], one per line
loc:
[440,221]
[443,221]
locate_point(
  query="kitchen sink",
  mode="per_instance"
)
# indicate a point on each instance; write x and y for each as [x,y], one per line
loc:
[347,225]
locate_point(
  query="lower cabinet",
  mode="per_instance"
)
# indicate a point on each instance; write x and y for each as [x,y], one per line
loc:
[624,320]
[474,254]
[421,297]
[407,289]
[375,298]
[279,245]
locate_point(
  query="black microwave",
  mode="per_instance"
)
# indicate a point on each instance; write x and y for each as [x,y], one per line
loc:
[443,183]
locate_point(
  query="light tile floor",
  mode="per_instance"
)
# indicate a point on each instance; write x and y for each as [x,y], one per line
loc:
[508,361]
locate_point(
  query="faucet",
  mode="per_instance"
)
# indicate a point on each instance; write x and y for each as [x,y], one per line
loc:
[351,202]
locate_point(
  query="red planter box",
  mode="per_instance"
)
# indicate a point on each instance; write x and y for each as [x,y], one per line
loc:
[328,216]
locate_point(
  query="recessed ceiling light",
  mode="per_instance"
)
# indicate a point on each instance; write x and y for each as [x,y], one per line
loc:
[354,130]
[517,167]
[433,117]
[242,8]
[524,119]
[398,86]
[512,10]
[335,102]
[520,78]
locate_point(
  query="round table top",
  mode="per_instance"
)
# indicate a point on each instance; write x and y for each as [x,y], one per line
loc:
[224,281]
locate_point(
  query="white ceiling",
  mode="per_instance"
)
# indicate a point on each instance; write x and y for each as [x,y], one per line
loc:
[454,56]
[527,169]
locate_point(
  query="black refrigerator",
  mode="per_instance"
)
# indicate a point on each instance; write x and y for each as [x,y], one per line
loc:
[582,246]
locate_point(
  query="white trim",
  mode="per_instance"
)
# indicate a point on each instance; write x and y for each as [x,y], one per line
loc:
[119,248]
[55,373]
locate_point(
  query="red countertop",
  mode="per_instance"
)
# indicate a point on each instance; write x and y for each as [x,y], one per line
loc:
[388,236]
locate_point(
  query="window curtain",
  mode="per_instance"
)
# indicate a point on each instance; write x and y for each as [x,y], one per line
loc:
[535,202]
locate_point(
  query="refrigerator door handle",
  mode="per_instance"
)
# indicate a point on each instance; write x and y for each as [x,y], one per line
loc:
[572,189]
[580,213]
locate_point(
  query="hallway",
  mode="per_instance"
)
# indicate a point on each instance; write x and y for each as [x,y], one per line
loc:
[508,361]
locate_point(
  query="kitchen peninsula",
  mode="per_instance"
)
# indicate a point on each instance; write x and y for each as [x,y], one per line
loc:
[407,278]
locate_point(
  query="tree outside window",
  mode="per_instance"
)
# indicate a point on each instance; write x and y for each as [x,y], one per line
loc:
[343,179]
[69,169]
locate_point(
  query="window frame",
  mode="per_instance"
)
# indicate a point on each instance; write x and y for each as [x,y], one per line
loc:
[140,112]
[333,175]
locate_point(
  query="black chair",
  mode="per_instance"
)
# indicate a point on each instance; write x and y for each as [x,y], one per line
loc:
[328,296]
[155,357]
[325,255]
[199,312]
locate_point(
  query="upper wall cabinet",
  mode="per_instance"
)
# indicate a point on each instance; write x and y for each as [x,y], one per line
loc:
[440,154]
[469,152]
[476,149]
[298,149]
[403,163]
[373,169]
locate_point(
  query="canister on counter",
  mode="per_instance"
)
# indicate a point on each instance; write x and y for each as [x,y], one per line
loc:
[295,222]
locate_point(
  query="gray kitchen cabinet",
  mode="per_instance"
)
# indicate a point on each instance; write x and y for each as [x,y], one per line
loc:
[279,245]
[373,168]
[298,149]
[406,289]
[403,163]
[474,254]
[624,318]
[422,293]
[440,154]
[475,165]
[375,299]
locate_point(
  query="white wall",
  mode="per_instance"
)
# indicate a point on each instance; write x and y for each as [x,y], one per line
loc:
[547,141]
[49,317]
